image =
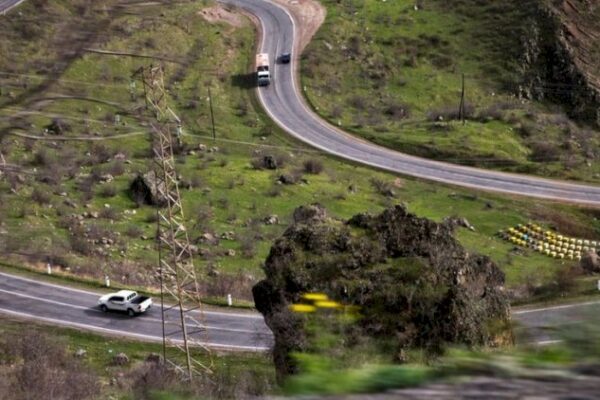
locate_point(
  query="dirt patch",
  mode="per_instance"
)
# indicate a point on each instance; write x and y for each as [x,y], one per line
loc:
[218,13]
[309,15]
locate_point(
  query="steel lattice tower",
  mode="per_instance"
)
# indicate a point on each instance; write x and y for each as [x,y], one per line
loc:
[181,305]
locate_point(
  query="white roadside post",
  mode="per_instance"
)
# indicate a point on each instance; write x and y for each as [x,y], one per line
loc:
[599,284]
[106,280]
[230,301]
[49,268]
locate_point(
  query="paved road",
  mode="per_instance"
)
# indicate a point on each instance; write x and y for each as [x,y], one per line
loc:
[7,5]
[59,305]
[285,105]
[244,331]
[546,325]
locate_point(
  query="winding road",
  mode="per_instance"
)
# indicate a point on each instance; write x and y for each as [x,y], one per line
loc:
[59,305]
[284,103]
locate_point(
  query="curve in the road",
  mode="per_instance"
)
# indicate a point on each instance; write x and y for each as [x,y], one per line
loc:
[285,105]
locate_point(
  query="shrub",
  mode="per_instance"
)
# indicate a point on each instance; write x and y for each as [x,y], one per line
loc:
[248,245]
[384,188]
[41,196]
[313,166]
[42,369]
[358,102]
[134,231]
[450,113]
[116,168]
[80,245]
[397,111]
[43,159]
[108,191]
[109,213]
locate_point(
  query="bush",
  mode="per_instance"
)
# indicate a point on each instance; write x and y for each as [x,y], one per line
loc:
[41,196]
[42,369]
[134,231]
[108,191]
[397,111]
[109,213]
[313,166]
[450,113]
[80,245]
[384,188]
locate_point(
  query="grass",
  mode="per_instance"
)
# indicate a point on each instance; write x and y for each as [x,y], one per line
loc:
[227,193]
[401,85]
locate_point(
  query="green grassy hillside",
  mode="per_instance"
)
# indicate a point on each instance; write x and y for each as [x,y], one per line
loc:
[401,81]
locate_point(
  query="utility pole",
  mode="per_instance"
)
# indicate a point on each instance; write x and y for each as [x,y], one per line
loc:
[461,110]
[181,305]
[212,115]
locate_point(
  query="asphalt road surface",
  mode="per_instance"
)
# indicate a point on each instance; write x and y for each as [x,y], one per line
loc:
[284,103]
[6,5]
[60,305]
[29,299]
[547,325]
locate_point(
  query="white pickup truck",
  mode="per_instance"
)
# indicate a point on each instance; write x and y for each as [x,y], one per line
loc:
[125,300]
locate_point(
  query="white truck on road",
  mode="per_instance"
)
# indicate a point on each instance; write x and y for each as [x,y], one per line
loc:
[263,74]
[125,300]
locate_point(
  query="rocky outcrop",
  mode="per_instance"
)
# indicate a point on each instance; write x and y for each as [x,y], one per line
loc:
[560,56]
[413,282]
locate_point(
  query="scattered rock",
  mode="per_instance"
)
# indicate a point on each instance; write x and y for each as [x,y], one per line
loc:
[287,179]
[153,358]
[70,203]
[271,220]
[228,235]
[120,359]
[208,238]
[80,353]
[312,213]
[106,178]
[590,262]
[458,221]
[230,253]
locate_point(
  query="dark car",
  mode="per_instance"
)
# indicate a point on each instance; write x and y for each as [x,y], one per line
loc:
[285,58]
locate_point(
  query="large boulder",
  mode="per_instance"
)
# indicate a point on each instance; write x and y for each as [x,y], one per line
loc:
[590,262]
[412,281]
[147,189]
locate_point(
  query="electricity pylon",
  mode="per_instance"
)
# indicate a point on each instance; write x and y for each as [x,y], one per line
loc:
[181,306]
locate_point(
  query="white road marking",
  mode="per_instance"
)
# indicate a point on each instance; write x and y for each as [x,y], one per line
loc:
[551,308]
[126,334]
